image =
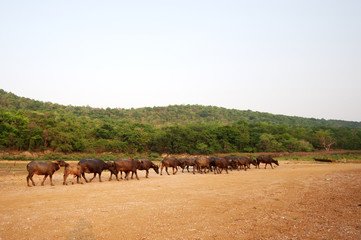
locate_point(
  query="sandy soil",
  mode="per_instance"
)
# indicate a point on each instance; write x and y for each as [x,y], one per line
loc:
[292,201]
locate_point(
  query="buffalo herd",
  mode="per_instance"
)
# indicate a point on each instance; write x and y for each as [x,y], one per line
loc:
[201,165]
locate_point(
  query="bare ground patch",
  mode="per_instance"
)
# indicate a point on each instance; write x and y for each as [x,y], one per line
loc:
[293,201]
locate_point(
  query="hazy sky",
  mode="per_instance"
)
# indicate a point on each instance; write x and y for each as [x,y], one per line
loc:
[298,58]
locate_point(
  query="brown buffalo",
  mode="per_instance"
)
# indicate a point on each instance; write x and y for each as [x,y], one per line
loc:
[43,168]
[146,164]
[171,162]
[267,160]
[202,163]
[73,169]
[95,166]
[127,166]
[219,164]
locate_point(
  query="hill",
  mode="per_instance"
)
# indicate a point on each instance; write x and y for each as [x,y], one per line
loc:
[174,114]
[32,125]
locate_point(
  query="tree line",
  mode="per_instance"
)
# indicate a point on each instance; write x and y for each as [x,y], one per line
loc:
[31,125]
[170,115]
[35,131]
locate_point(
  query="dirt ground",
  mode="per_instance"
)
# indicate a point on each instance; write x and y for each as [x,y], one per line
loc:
[292,201]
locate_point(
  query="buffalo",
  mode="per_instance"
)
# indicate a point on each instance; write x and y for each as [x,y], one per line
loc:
[173,163]
[232,162]
[146,164]
[73,169]
[242,162]
[95,166]
[219,164]
[127,166]
[202,163]
[267,160]
[43,168]
[250,161]
[186,162]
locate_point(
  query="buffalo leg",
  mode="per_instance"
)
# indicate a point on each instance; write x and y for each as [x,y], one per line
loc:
[100,177]
[161,169]
[271,165]
[166,169]
[72,181]
[30,176]
[51,179]
[77,179]
[116,176]
[32,180]
[93,177]
[42,183]
[176,168]
[127,175]
[136,174]
[65,177]
[147,172]
[86,180]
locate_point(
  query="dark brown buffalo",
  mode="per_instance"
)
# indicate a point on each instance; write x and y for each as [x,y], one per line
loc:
[127,166]
[242,162]
[186,162]
[43,168]
[267,160]
[146,164]
[202,163]
[232,162]
[252,161]
[171,162]
[95,166]
[219,164]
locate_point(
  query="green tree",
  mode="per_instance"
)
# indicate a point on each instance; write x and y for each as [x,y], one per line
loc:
[268,143]
[324,139]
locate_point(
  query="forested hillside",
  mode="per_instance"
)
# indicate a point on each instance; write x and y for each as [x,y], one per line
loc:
[27,124]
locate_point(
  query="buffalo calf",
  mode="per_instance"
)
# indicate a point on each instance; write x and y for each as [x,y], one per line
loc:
[73,169]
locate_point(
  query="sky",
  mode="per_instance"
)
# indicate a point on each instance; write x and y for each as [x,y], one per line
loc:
[290,57]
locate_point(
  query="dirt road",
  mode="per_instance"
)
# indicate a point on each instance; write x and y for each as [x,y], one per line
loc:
[292,201]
